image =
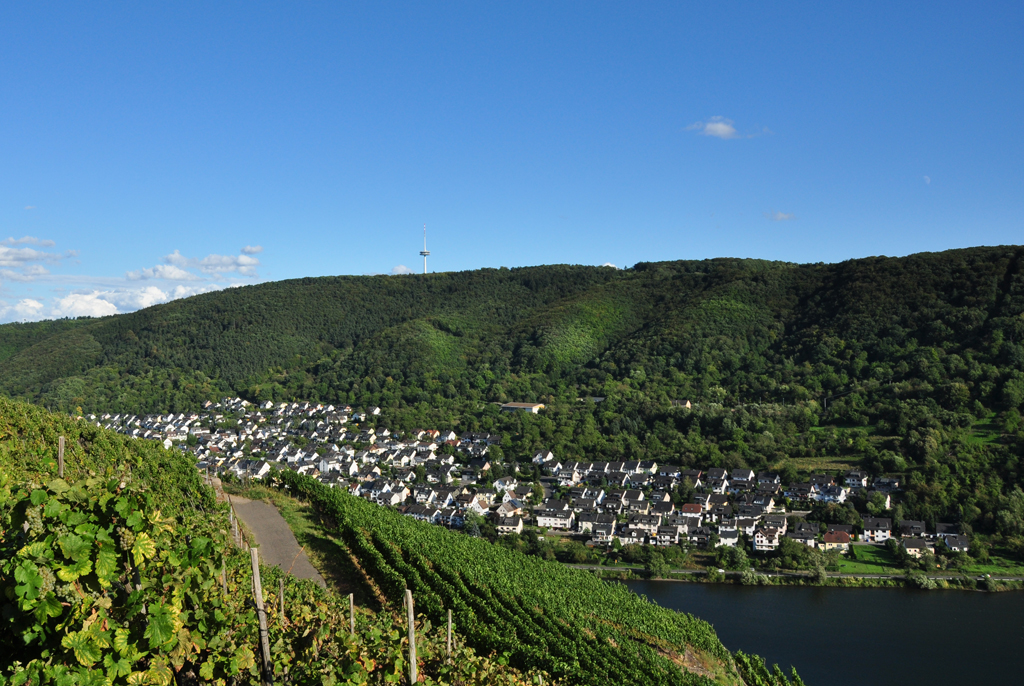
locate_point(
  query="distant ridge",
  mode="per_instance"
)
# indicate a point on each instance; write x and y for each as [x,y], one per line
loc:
[341,338]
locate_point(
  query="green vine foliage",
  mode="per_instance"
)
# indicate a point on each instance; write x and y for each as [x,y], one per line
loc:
[101,587]
[98,586]
[756,673]
[544,615]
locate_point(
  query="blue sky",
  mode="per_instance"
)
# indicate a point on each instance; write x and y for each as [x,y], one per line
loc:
[154,150]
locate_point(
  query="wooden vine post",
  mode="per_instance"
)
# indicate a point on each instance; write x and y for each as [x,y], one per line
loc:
[352,613]
[257,591]
[449,633]
[60,457]
[412,636]
[280,598]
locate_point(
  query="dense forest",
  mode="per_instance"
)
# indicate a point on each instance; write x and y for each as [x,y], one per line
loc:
[911,366]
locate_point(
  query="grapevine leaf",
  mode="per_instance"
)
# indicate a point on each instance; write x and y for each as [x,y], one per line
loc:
[160,675]
[58,486]
[87,652]
[74,547]
[161,626]
[34,550]
[48,607]
[29,581]
[116,666]
[206,671]
[121,641]
[106,565]
[134,520]
[38,497]
[246,658]
[137,679]
[74,571]
[144,547]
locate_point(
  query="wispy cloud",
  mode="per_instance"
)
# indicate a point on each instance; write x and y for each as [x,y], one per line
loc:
[176,267]
[88,295]
[29,240]
[725,129]
[780,216]
[29,273]
[20,258]
[928,180]
[401,269]
[215,264]
[30,207]
[168,272]
[718,127]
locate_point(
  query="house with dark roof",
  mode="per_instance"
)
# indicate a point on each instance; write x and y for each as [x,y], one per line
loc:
[877,529]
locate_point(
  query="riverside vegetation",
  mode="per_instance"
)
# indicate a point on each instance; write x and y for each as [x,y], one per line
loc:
[909,366]
[124,572]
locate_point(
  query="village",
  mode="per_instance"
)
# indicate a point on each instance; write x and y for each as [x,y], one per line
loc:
[448,479]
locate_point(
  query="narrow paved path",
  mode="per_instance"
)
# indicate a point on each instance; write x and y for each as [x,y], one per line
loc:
[276,541]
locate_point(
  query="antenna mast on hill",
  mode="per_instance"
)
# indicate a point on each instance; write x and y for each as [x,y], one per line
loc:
[424,252]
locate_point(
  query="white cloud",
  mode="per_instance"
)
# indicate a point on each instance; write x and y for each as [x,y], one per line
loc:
[780,216]
[84,305]
[252,249]
[609,264]
[29,240]
[182,291]
[215,264]
[135,299]
[178,260]
[100,303]
[220,264]
[928,180]
[19,257]
[718,127]
[28,309]
[162,271]
[28,273]
[401,269]
[177,276]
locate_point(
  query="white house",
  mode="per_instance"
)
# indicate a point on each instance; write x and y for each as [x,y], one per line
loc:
[766,539]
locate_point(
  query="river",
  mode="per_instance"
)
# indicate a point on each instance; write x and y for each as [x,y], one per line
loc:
[863,636]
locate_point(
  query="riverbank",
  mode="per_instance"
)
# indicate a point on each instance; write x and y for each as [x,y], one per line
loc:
[920,581]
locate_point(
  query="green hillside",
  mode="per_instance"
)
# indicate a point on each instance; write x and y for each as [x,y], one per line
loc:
[125,572]
[910,366]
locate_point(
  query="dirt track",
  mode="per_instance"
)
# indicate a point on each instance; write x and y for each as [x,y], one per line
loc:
[276,541]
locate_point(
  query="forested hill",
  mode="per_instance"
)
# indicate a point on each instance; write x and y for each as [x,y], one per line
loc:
[725,330]
[911,366]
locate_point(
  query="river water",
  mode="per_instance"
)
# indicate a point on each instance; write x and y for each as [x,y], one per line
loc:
[863,636]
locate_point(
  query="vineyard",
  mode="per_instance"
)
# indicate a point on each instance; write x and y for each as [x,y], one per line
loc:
[125,571]
[100,586]
[545,616]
